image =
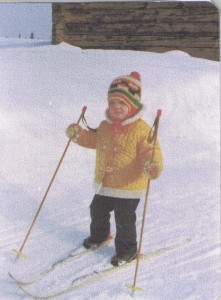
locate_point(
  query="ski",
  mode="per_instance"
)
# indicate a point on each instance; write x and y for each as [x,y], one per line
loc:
[81,281]
[62,261]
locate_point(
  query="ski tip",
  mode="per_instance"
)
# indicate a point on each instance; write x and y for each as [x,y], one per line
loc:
[19,254]
[11,276]
[133,287]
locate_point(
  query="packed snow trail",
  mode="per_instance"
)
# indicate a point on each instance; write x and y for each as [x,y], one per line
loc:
[43,89]
[76,282]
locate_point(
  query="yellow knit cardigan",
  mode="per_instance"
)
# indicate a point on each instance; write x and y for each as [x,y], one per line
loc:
[120,157]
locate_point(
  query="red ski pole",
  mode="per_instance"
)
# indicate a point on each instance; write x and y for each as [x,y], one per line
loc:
[133,286]
[19,252]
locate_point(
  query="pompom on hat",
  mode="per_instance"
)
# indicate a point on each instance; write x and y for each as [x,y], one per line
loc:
[127,89]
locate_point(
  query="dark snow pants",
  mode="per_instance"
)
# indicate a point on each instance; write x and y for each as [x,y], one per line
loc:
[125,219]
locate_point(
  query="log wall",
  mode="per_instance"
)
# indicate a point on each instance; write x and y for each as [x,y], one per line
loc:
[192,27]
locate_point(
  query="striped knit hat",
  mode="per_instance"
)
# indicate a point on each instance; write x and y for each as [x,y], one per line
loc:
[127,89]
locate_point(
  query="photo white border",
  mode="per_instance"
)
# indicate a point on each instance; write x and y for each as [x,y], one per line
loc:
[216,3]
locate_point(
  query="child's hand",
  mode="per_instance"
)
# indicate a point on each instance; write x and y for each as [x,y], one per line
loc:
[73,132]
[152,170]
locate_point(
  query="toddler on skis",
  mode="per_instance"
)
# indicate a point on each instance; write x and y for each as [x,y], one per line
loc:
[123,166]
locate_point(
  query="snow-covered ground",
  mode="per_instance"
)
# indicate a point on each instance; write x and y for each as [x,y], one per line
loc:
[43,89]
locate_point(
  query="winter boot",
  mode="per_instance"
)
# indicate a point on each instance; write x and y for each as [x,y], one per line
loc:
[119,261]
[89,243]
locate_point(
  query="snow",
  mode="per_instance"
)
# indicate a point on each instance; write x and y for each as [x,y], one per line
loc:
[43,89]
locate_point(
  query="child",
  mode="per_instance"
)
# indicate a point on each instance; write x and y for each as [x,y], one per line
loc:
[123,166]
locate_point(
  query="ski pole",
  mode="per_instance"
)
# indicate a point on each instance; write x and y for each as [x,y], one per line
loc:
[154,139]
[19,252]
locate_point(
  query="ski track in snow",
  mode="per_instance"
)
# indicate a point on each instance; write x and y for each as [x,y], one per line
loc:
[43,89]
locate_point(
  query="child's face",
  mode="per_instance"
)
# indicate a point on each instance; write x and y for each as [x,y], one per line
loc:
[118,110]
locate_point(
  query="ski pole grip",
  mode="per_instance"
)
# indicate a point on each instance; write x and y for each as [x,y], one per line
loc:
[84,109]
[159,112]
[82,114]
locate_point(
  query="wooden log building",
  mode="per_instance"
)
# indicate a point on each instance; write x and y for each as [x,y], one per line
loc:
[192,27]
